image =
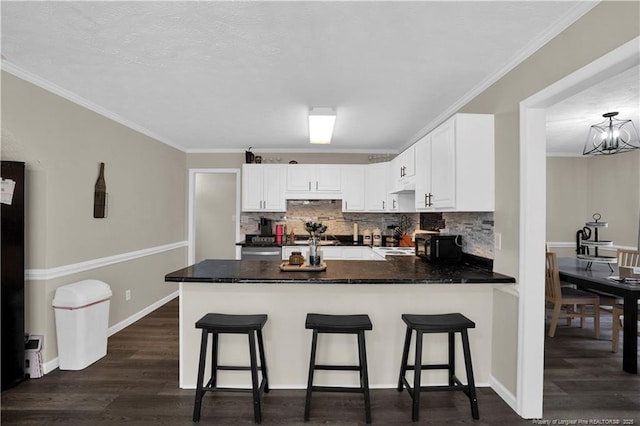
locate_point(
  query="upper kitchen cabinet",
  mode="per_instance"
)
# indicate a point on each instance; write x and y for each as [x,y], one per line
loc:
[313,181]
[263,187]
[456,170]
[353,188]
[377,187]
[402,171]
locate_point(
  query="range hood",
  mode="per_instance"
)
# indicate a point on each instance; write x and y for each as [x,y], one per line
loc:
[407,187]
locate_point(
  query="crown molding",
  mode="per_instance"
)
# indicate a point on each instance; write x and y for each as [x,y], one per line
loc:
[72,97]
[576,13]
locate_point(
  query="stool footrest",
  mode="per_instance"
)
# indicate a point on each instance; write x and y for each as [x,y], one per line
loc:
[337,367]
[340,389]
[436,388]
[430,367]
[236,368]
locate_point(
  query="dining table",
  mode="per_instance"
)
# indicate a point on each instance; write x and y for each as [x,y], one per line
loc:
[603,277]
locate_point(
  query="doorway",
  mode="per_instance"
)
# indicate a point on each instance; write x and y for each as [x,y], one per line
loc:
[533,217]
[214,209]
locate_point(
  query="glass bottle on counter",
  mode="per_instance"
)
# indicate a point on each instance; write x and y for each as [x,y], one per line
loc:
[314,257]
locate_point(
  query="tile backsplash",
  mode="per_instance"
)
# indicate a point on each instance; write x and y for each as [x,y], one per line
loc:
[475,227]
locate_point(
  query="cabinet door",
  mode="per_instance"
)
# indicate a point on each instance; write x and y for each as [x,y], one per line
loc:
[376,187]
[423,174]
[252,187]
[443,166]
[300,177]
[408,161]
[274,181]
[353,188]
[327,178]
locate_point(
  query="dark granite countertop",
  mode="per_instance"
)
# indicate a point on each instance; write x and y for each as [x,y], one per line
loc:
[395,270]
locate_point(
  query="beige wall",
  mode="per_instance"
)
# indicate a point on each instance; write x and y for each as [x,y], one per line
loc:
[583,42]
[579,187]
[62,144]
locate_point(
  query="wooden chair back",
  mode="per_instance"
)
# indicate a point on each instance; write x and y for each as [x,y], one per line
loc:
[628,257]
[552,278]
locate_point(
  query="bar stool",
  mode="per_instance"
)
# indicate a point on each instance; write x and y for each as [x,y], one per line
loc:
[445,323]
[339,324]
[217,324]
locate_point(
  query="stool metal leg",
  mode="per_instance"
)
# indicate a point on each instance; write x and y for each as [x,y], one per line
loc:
[452,358]
[199,392]
[405,355]
[214,359]
[364,375]
[312,362]
[263,362]
[416,377]
[470,382]
[254,378]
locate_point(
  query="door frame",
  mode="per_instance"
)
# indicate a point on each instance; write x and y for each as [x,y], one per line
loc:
[191,232]
[530,363]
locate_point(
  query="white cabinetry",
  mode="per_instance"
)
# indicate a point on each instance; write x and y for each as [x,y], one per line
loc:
[353,188]
[456,170]
[313,180]
[263,188]
[377,187]
[335,252]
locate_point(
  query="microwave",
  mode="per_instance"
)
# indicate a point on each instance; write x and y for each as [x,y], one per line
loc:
[439,248]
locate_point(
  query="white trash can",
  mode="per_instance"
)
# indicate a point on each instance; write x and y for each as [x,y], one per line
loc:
[82,319]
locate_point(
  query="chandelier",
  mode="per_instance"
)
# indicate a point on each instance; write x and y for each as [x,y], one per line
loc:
[611,136]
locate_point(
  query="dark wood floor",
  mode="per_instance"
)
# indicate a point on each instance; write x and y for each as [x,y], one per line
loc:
[137,384]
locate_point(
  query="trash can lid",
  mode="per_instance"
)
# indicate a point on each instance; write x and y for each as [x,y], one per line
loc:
[81,293]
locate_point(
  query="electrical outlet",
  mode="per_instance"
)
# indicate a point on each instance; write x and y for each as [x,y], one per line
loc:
[127,295]
[498,240]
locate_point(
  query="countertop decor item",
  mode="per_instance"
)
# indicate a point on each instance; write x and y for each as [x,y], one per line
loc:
[286,266]
[315,230]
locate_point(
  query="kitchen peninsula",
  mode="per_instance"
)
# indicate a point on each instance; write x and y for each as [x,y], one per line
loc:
[383,289]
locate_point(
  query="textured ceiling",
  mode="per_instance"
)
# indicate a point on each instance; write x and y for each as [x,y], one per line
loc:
[568,122]
[230,75]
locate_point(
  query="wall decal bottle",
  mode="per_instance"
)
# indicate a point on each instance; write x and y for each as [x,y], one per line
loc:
[100,195]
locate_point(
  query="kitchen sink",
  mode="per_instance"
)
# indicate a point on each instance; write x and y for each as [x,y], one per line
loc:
[322,242]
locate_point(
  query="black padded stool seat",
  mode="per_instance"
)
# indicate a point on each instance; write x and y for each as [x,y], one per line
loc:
[339,324]
[443,323]
[216,324]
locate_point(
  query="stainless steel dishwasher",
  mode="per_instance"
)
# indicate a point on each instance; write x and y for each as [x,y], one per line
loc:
[261,253]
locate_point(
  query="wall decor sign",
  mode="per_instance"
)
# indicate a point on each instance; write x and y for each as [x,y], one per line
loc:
[100,196]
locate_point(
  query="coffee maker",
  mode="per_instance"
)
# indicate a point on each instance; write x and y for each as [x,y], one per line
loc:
[266,227]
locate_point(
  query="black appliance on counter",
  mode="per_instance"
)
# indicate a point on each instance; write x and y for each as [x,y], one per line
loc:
[434,247]
[266,227]
[12,266]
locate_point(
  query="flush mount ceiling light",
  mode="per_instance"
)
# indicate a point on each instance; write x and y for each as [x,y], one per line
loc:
[611,136]
[321,121]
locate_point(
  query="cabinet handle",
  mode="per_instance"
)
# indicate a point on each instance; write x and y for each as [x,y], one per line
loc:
[316,185]
[394,204]
[429,196]
[346,205]
[383,205]
[309,185]
[426,203]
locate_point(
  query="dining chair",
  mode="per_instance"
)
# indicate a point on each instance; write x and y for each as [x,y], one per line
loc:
[624,258]
[568,297]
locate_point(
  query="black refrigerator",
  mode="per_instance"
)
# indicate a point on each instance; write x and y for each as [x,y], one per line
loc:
[12,265]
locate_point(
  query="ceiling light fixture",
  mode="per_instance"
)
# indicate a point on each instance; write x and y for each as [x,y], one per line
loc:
[611,136]
[321,122]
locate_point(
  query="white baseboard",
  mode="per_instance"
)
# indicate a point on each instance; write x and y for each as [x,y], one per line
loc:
[504,393]
[55,363]
[304,386]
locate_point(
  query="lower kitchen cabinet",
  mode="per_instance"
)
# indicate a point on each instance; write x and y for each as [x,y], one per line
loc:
[263,188]
[335,252]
